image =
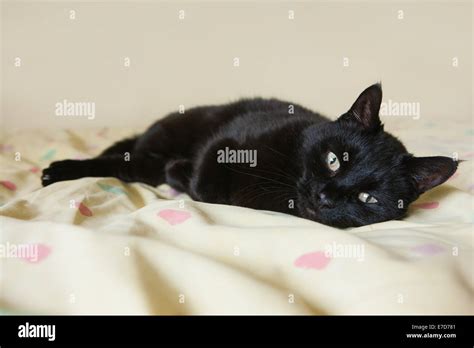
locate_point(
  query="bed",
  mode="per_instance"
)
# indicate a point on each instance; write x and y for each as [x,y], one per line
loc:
[102,246]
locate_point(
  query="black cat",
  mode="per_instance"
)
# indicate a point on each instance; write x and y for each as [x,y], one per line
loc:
[273,155]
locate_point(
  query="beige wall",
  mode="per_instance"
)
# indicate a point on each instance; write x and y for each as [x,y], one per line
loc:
[190,61]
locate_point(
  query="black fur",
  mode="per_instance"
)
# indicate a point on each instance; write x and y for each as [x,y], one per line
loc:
[291,173]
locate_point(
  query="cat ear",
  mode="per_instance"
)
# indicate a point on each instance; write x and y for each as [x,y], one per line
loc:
[429,172]
[365,110]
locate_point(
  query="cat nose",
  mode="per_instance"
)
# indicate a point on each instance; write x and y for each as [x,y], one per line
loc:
[323,200]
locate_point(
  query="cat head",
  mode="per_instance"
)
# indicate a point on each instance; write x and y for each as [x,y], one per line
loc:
[355,173]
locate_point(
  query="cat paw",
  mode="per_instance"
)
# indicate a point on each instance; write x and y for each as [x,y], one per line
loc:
[60,171]
[178,173]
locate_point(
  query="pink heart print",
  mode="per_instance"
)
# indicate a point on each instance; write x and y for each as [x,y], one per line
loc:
[83,209]
[315,260]
[43,252]
[8,184]
[427,205]
[428,249]
[174,217]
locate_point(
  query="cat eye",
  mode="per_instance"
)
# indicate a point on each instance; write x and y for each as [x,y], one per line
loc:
[332,161]
[366,198]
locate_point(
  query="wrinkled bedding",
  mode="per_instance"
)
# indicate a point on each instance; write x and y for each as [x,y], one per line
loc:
[100,246]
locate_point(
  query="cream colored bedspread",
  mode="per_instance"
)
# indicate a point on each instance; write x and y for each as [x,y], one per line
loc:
[98,245]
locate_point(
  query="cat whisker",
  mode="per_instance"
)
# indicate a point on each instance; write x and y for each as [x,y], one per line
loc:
[261,177]
[276,171]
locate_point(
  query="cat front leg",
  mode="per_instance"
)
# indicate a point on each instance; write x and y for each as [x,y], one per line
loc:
[212,178]
[146,169]
[178,174]
[64,170]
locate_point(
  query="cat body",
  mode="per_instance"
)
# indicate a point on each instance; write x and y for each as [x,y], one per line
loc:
[274,155]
